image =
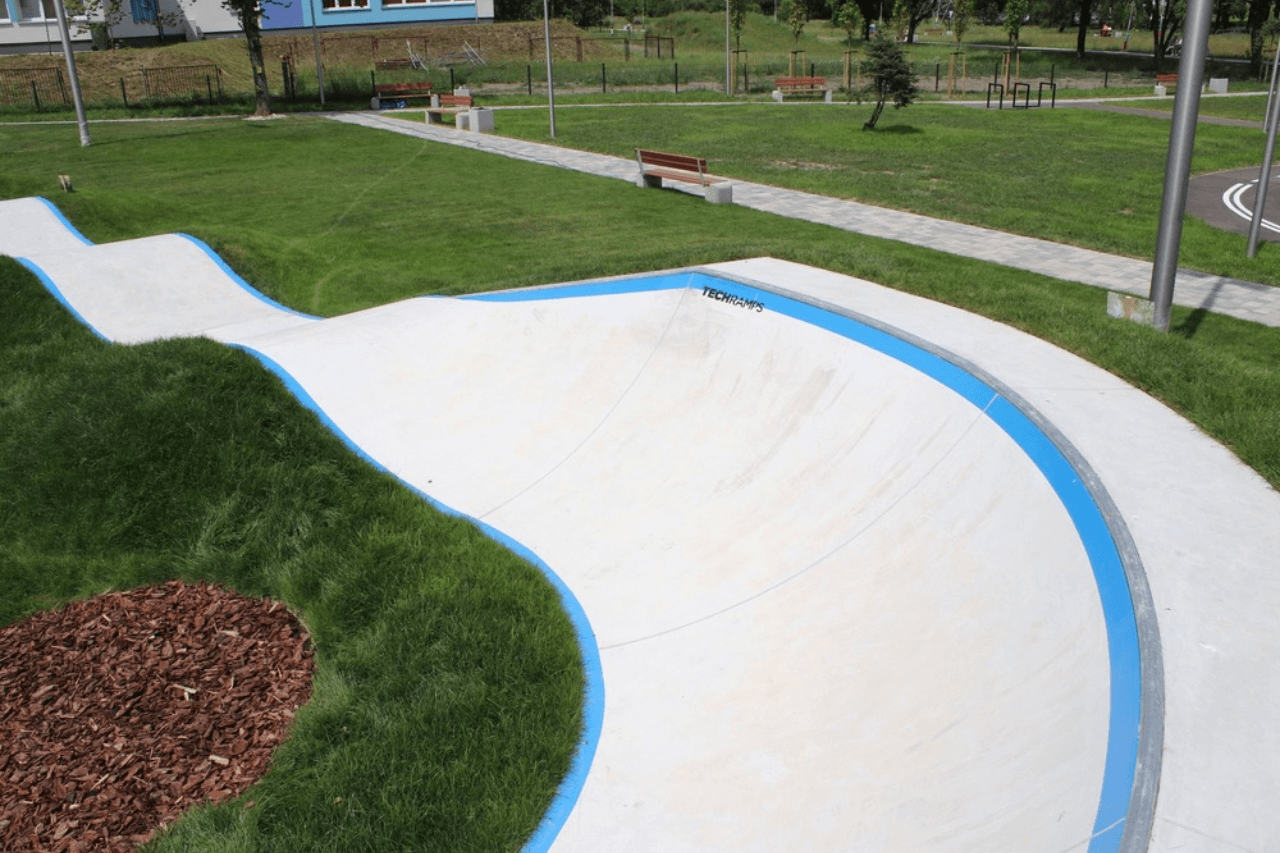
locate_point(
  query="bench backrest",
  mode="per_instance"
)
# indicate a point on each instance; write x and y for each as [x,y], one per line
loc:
[455,100]
[663,160]
[796,82]
[384,88]
[1166,78]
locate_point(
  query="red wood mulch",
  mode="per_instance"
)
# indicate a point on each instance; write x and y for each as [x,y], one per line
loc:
[119,713]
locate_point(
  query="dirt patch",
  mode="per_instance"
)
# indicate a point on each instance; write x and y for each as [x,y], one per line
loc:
[119,713]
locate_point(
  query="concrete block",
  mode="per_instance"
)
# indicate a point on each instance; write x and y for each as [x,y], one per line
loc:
[480,119]
[462,121]
[1218,85]
[826,96]
[651,181]
[777,96]
[1135,308]
[1161,90]
[720,193]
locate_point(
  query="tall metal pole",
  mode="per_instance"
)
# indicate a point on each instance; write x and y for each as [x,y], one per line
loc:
[728,69]
[1182,137]
[83,122]
[1264,173]
[551,87]
[315,41]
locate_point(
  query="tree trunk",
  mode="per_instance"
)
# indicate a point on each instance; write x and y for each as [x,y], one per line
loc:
[253,35]
[1086,21]
[875,116]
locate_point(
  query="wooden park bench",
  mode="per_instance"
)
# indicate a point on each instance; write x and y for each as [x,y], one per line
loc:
[803,86]
[398,94]
[447,105]
[656,165]
[1165,81]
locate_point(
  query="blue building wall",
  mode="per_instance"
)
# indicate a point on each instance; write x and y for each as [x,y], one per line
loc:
[300,13]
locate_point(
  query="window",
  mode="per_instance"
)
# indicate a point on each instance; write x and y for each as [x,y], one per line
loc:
[36,10]
[144,11]
[334,5]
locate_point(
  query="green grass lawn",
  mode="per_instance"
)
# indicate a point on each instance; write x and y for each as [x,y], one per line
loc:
[1074,176]
[448,691]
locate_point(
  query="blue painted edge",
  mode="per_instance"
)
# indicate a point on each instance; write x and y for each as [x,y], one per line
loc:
[244,285]
[593,701]
[57,294]
[1124,724]
[66,223]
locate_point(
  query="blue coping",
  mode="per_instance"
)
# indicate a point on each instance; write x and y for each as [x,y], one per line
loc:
[1090,523]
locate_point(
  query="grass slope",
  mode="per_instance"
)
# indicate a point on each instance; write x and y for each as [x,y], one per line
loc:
[448,691]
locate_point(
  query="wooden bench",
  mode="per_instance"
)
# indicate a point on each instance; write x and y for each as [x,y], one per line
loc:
[1165,81]
[805,86]
[447,105]
[656,165]
[398,94]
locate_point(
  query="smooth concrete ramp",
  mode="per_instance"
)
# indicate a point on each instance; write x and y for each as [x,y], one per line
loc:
[838,588]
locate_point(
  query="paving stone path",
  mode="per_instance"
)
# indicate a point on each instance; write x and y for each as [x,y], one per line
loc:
[1247,300]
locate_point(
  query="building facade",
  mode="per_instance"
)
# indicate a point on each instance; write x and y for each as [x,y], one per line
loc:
[30,26]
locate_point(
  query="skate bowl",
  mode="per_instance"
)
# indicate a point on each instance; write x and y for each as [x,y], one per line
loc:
[838,585]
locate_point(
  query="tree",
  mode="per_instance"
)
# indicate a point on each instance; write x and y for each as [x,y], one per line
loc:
[796,16]
[102,15]
[890,77]
[1166,18]
[849,18]
[908,14]
[963,13]
[1086,20]
[249,14]
[1014,12]
[1257,23]
[738,20]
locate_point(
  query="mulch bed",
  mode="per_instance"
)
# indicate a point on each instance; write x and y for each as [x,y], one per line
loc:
[119,713]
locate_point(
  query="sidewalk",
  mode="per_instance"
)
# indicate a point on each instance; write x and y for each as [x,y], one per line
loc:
[1246,300]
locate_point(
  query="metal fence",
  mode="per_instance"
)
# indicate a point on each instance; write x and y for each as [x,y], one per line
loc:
[33,87]
[197,82]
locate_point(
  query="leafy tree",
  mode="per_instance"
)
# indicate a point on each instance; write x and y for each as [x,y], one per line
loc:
[849,18]
[963,13]
[890,77]
[738,20]
[907,15]
[1014,12]
[1166,17]
[249,14]
[795,15]
[91,15]
[1258,23]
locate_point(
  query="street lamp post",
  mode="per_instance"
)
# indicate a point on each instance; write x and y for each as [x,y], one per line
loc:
[83,122]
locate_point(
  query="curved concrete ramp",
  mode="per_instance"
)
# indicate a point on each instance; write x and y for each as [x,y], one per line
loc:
[837,590]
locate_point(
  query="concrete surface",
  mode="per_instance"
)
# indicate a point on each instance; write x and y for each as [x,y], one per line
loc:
[852,570]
